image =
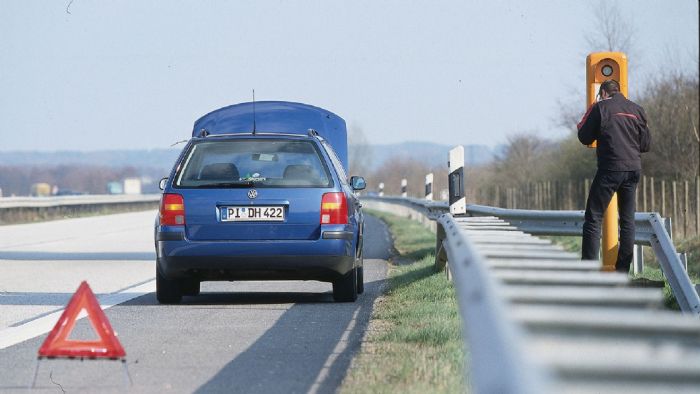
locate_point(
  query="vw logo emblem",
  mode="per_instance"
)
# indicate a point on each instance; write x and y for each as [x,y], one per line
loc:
[252,193]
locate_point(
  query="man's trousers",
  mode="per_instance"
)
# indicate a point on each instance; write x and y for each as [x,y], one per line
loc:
[604,185]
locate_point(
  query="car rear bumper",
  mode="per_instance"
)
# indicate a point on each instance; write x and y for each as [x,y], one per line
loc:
[322,259]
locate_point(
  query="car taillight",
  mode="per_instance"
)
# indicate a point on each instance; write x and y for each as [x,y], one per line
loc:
[334,209]
[172,210]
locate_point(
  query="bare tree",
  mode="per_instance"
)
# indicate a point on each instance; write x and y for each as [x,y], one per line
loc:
[671,103]
[360,151]
[522,161]
[569,160]
[413,169]
[613,32]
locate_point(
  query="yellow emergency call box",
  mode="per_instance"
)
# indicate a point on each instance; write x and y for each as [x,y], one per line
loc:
[601,66]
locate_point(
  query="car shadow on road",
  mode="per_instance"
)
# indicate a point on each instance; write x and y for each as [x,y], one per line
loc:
[309,348]
[239,298]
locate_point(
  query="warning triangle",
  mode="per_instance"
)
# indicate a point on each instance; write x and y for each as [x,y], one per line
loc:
[57,343]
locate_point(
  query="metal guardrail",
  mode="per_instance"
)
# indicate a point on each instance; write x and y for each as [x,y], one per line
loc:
[28,209]
[494,342]
[650,230]
[36,202]
[537,319]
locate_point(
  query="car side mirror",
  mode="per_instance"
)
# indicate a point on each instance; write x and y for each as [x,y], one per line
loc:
[162,183]
[358,183]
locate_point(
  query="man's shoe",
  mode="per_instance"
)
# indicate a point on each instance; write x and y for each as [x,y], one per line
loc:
[622,269]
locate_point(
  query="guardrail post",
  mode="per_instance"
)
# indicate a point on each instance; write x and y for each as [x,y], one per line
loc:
[672,267]
[638,259]
[429,186]
[683,257]
[440,252]
[381,189]
[404,186]
[457,198]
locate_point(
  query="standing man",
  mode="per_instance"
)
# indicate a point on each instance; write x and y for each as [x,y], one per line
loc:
[620,127]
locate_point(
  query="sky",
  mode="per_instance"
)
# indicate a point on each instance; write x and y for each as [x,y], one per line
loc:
[94,74]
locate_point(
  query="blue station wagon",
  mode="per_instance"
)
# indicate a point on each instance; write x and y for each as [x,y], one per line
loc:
[261,192]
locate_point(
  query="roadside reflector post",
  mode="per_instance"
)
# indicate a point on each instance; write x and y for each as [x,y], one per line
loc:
[429,186]
[601,66]
[457,198]
[381,189]
[404,186]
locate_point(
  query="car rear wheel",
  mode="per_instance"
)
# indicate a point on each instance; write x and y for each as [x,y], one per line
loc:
[360,273]
[190,287]
[345,289]
[168,291]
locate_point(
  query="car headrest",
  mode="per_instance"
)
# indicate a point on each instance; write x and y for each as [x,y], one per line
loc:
[299,171]
[219,171]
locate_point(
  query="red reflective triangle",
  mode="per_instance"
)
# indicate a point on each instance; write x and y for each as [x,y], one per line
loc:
[57,343]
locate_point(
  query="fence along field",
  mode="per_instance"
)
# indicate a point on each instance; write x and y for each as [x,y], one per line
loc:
[678,200]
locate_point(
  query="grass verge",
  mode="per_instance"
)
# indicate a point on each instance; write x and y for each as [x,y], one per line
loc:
[414,343]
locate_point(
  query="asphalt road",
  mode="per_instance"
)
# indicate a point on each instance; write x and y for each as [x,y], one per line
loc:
[252,337]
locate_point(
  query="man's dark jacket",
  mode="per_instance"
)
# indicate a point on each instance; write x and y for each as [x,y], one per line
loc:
[620,127]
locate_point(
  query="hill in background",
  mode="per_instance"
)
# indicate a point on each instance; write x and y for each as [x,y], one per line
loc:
[155,159]
[432,154]
[163,159]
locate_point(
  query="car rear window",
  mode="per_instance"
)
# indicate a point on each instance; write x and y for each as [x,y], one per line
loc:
[258,163]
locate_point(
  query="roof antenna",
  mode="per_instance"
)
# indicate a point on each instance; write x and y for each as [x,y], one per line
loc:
[253,111]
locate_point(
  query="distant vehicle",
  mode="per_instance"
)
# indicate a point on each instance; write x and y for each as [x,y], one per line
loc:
[132,186]
[115,188]
[261,192]
[41,190]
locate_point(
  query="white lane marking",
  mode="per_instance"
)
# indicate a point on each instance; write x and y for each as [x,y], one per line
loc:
[337,351]
[13,335]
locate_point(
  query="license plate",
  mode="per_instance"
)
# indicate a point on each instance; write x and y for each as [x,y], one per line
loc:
[252,214]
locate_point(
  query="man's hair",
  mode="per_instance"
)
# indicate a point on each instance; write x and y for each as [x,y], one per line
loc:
[610,86]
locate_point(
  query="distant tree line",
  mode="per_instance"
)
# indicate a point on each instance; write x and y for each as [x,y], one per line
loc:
[671,103]
[17,180]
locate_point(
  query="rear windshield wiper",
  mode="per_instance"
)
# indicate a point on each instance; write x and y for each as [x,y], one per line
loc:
[227,184]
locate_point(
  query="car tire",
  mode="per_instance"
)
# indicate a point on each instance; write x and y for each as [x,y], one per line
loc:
[168,291]
[360,280]
[190,287]
[360,274]
[345,288]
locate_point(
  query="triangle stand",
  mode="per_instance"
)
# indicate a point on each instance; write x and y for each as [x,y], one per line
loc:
[128,382]
[58,344]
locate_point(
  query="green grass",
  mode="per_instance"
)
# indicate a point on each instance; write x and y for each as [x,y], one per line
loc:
[652,270]
[414,343]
